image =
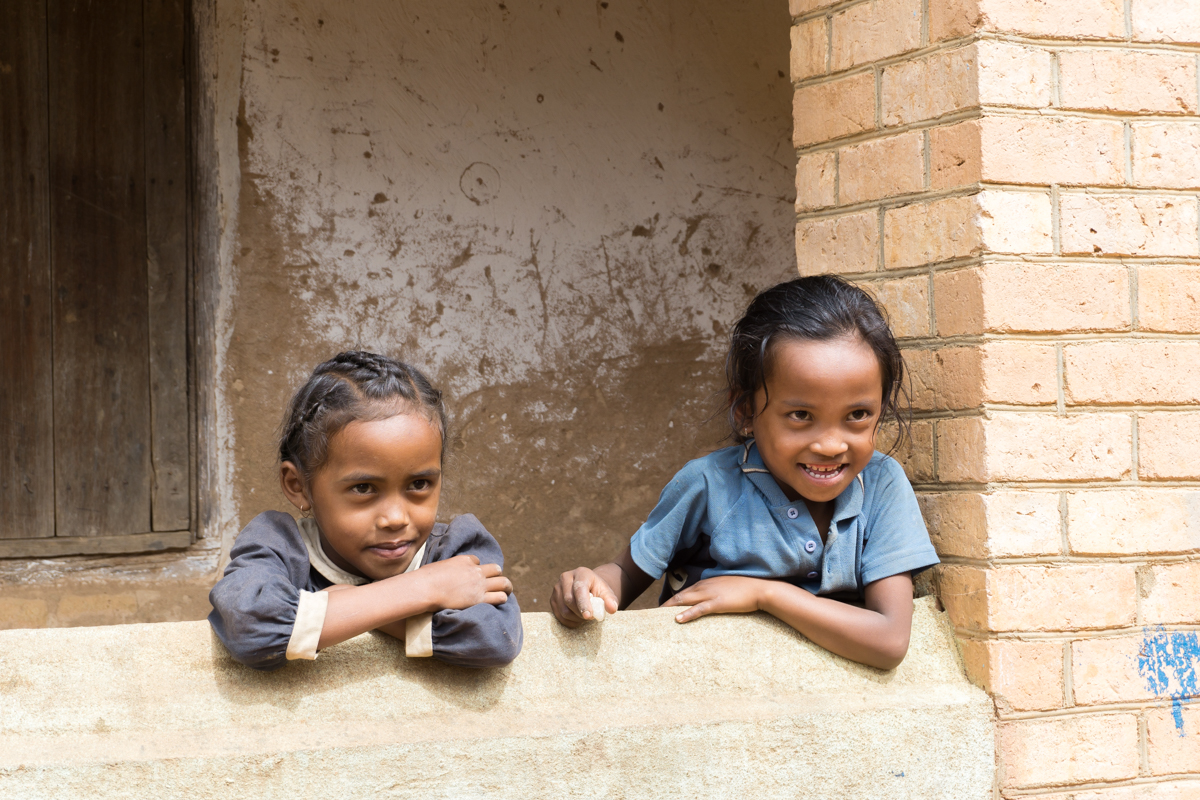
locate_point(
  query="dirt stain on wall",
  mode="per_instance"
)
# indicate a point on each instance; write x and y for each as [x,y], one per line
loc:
[561,246]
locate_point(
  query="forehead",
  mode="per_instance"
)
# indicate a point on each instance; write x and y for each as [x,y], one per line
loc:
[405,442]
[847,363]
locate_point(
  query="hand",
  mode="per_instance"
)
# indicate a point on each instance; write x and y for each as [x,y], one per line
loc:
[461,582]
[724,594]
[571,600]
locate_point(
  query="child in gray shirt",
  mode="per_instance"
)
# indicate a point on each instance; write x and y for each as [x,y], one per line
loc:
[361,458]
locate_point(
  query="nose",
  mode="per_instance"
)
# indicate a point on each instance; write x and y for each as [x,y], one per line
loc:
[830,443]
[393,515]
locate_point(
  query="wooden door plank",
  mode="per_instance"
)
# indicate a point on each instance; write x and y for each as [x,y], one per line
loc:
[94,545]
[26,373]
[98,257]
[166,249]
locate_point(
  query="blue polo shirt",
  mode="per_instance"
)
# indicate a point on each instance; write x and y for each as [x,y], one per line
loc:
[725,515]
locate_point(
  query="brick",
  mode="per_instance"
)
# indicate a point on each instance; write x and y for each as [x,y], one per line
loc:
[1167,790]
[830,110]
[1141,225]
[845,244]
[915,456]
[1167,445]
[1044,598]
[1166,155]
[1133,521]
[1145,371]
[1166,21]
[952,19]
[1013,75]
[810,49]
[1015,222]
[953,378]
[996,525]
[1075,749]
[1169,594]
[873,30]
[927,88]
[1043,150]
[1169,299]
[1171,748]
[954,155]
[1008,446]
[927,233]
[17,612]
[1104,80]
[882,168]
[995,298]
[906,302]
[1079,19]
[963,591]
[815,181]
[1021,676]
[1106,671]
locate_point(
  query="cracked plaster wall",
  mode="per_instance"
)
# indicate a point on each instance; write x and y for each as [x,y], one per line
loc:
[556,210]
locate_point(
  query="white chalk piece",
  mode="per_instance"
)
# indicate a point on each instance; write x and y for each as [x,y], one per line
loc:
[598,609]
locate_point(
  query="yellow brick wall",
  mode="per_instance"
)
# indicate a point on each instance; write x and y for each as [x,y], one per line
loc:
[1018,181]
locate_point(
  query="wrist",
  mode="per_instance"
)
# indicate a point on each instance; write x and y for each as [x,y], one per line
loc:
[766,594]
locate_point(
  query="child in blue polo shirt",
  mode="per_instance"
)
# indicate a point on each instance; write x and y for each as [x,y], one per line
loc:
[802,513]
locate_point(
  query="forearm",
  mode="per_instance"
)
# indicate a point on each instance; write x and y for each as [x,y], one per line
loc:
[859,634]
[625,578]
[357,609]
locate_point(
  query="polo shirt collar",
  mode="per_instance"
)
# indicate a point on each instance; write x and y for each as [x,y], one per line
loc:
[847,504]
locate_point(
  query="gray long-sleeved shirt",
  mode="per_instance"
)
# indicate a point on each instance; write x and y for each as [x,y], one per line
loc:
[273,573]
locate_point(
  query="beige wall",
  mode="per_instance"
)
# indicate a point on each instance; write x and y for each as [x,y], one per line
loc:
[557,211]
[1019,181]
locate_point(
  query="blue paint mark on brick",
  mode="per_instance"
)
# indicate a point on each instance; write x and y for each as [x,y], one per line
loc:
[1167,661]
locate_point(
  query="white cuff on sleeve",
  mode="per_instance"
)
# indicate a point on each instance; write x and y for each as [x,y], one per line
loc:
[418,636]
[306,631]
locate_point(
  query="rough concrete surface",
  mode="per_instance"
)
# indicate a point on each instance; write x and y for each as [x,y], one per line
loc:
[636,706]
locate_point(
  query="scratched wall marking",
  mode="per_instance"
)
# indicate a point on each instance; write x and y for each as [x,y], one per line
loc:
[1167,661]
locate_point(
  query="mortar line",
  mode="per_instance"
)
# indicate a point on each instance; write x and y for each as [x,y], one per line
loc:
[1127,129]
[1126,632]
[894,201]
[1055,80]
[1143,735]
[1085,44]
[1061,404]
[1068,677]
[878,97]
[1092,484]
[1134,274]
[1134,467]
[828,43]
[1055,221]
[1057,791]
[1090,710]
[837,177]
[1063,524]
[1059,560]
[926,146]
[931,305]
[879,251]
[1129,20]
[958,340]
[925,23]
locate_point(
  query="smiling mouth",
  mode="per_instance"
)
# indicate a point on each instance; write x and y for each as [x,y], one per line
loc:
[824,473]
[390,550]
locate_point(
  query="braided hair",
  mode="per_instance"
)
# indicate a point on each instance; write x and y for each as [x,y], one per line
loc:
[354,385]
[815,308]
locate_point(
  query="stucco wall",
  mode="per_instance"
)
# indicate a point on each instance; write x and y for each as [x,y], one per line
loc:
[557,210]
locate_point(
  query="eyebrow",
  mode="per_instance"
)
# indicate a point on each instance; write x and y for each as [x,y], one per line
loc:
[861,403]
[362,477]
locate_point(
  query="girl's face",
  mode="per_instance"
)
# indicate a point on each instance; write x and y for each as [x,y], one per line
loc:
[375,499]
[822,404]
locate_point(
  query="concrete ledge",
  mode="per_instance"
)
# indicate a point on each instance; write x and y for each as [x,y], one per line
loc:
[637,706]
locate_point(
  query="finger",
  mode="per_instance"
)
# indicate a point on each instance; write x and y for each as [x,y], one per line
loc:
[495,598]
[498,584]
[583,598]
[602,590]
[491,570]
[695,612]
[562,613]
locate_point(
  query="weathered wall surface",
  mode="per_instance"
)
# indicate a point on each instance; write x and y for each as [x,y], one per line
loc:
[556,210]
[649,708]
[1018,179]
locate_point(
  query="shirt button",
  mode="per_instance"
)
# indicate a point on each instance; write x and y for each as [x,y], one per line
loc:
[810,546]
[793,513]
[812,575]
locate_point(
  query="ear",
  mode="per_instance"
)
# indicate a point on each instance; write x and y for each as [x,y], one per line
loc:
[291,480]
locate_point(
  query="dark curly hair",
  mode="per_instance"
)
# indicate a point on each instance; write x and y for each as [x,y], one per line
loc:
[354,385]
[816,308]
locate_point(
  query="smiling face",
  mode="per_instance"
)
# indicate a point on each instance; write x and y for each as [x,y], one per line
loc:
[375,498]
[815,421]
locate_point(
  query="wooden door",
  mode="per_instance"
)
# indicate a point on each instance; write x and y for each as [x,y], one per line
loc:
[94,434]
